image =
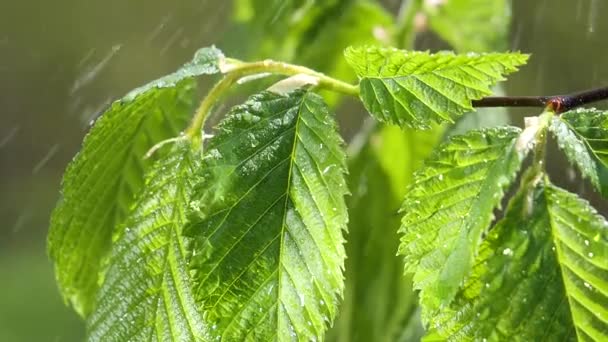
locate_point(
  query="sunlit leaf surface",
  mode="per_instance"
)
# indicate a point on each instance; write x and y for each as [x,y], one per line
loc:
[100,184]
[268,219]
[414,89]
[541,274]
[583,135]
[449,206]
[146,293]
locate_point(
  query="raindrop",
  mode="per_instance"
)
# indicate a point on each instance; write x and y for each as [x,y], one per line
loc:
[159,28]
[507,252]
[586,242]
[171,40]
[9,136]
[90,75]
[52,151]
[590,254]
[21,220]
[592,16]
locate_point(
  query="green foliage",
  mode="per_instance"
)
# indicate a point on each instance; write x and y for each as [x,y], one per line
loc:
[240,234]
[101,182]
[538,275]
[155,299]
[267,221]
[471,25]
[450,205]
[416,88]
[583,135]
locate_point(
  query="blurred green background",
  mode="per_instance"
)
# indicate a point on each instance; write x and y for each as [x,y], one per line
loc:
[61,62]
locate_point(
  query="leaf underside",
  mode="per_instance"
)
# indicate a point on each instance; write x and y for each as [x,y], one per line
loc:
[146,293]
[100,184]
[583,135]
[414,89]
[267,221]
[541,274]
[450,205]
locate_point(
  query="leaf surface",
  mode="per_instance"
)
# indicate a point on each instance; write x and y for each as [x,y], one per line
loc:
[583,135]
[414,89]
[100,184]
[147,283]
[471,25]
[541,275]
[450,205]
[268,220]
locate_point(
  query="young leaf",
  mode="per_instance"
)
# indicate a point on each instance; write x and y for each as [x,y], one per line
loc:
[583,135]
[413,88]
[379,302]
[471,25]
[267,220]
[146,293]
[100,183]
[449,206]
[540,275]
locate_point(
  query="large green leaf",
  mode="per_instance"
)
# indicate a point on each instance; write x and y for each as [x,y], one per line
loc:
[450,205]
[147,283]
[267,220]
[379,302]
[541,274]
[471,25]
[100,183]
[583,135]
[413,88]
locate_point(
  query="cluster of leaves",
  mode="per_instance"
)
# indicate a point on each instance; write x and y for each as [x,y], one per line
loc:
[241,236]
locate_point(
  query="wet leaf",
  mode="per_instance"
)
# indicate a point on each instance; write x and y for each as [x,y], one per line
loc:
[267,221]
[541,274]
[100,184]
[146,291]
[450,205]
[583,135]
[415,89]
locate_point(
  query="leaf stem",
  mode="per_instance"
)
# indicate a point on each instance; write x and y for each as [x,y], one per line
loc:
[236,70]
[557,103]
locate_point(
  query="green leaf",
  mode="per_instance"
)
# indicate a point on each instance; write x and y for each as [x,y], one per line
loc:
[583,135]
[147,283]
[413,88]
[541,275]
[379,302]
[267,220]
[450,205]
[471,25]
[99,185]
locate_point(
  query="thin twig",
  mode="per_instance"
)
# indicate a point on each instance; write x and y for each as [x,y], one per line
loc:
[557,103]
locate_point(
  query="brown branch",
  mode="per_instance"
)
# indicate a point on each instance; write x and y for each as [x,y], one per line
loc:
[557,103]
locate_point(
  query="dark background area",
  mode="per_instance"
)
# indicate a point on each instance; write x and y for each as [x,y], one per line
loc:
[61,62]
